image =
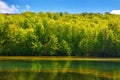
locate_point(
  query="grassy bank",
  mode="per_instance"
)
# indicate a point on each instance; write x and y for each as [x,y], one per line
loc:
[29,58]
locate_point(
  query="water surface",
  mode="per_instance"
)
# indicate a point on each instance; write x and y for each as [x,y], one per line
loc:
[59,69]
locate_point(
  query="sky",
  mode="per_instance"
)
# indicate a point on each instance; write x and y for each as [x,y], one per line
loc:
[70,6]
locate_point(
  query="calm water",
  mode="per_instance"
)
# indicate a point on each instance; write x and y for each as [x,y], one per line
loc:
[59,70]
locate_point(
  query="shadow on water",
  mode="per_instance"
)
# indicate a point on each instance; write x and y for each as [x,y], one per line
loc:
[59,70]
[49,76]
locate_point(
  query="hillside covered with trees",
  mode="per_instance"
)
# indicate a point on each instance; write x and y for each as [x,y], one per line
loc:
[60,34]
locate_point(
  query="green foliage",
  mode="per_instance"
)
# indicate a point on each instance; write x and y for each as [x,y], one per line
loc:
[60,34]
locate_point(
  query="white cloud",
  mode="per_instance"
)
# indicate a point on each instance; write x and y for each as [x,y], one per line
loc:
[28,7]
[115,12]
[5,8]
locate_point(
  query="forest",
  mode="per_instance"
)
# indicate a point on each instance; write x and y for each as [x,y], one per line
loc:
[60,34]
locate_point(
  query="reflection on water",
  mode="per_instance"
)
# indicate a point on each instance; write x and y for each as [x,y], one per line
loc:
[50,76]
[59,70]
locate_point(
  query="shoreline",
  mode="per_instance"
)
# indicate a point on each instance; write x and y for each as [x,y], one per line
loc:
[71,58]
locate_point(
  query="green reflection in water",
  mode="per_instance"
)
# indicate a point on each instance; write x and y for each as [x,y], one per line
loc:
[49,76]
[59,70]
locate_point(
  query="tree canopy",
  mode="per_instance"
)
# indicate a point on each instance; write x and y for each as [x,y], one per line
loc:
[60,34]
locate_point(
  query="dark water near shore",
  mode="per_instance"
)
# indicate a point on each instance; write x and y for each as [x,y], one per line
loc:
[59,70]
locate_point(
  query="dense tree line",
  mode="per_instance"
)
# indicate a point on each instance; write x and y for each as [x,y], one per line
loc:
[58,34]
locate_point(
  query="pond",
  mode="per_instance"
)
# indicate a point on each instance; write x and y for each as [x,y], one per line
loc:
[59,69]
